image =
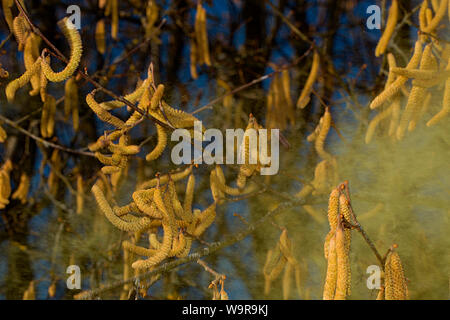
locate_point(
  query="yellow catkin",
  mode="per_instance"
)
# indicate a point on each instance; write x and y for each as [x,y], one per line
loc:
[50,105]
[102,113]
[198,34]
[204,38]
[193,59]
[30,55]
[157,96]
[131,226]
[5,183]
[320,140]
[392,64]
[445,103]
[100,36]
[380,295]
[417,95]
[440,14]
[168,229]
[72,35]
[114,18]
[44,119]
[80,194]
[43,82]
[423,19]
[21,30]
[70,99]
[175,202]
[331,276]
[389,30]
[395,87]
[30,293]
[421,74]
[345,211]
[160,145]
[326,244]
[287,281]
[206,218]
[22,191]
[6,5]
[304,98]
[343,265]
[395,281]
[14,85]
[144,201]
[3,135]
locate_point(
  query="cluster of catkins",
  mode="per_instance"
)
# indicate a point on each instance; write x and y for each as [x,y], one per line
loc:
[38,72]
[428,68]
[337,246]
[278,259]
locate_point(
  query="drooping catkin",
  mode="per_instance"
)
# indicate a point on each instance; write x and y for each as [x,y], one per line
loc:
[102,113]
[332,271]
[22,190]
[333,208]
[440,14]
[133,226]
[6,6]
[395,281]
[3,135]
[114,18]
[80,194]
[20,30]
[70,32]
[287,280]
[417,95]
[445,102]
[160,145]
[343,264]
[71,101]
[48,117]
[169,228]
[304,98]
[389,30]
[320,140]
[30,55]
[100,36]
[14,85]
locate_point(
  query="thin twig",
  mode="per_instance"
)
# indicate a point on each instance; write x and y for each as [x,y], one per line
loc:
[45,143]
